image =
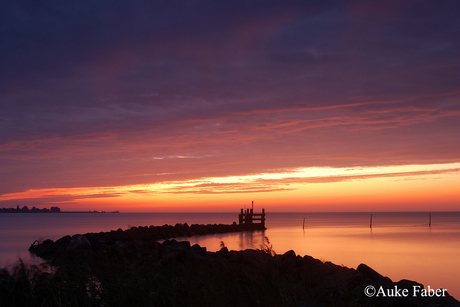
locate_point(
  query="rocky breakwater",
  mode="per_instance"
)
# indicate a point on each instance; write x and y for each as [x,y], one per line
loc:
[131,268]
[134,236]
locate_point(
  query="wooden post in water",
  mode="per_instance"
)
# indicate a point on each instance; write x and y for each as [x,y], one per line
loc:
[430,220]
[371,222]
[303,227]
[262,218]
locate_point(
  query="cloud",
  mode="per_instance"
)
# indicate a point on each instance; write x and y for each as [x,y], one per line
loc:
[93,93]
[282,181]
[46,197]
[285,182]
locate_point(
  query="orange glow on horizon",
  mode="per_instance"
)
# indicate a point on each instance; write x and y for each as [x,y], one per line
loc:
[389,188]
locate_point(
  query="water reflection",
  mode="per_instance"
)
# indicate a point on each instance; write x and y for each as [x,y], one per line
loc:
[416,252]
[399,245]
[233,241]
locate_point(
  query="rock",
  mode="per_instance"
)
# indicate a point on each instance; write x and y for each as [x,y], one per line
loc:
[78,242]
[408,284]
[44,250]
[182,245]
[196,248]
[48,242]
[290,254]
[120,245]
[368,272]
[223,251]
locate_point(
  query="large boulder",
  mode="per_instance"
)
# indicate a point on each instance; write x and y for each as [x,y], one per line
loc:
[78,242]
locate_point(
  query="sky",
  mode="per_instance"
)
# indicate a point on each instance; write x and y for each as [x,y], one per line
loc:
[208,105]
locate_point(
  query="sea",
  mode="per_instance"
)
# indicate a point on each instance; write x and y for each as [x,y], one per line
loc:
[400,245]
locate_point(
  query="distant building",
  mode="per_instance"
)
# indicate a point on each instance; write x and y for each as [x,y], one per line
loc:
[55,209]
[34,209]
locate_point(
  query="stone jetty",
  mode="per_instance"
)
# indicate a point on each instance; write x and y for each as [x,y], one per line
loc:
[51,250]
[131,267]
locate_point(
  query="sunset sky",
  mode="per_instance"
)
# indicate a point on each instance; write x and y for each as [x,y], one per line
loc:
[209,105]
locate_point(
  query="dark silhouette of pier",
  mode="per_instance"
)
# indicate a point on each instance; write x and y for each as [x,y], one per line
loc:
[248,216]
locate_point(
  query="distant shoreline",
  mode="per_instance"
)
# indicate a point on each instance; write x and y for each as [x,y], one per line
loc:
[25,209]
[90,211]
[67,212]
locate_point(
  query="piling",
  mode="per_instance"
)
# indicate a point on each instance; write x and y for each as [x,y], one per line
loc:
[371,222]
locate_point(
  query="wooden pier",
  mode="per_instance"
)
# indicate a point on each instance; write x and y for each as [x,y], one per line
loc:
[248,216]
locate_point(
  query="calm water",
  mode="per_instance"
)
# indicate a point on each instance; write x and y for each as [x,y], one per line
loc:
[399,245]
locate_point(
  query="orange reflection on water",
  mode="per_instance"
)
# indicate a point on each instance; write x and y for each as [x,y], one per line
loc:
[420,253]
[233,241]
[426,255]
